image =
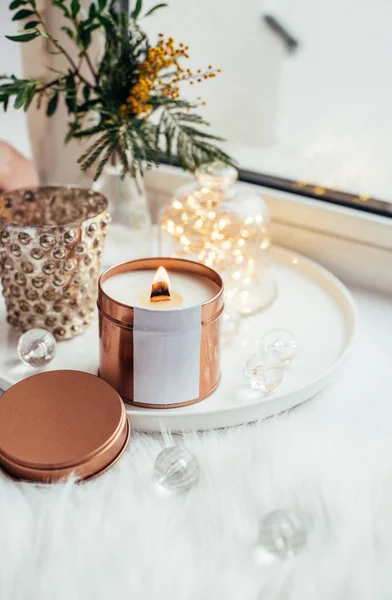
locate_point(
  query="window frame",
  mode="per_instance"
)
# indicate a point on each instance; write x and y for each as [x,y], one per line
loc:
[354,244]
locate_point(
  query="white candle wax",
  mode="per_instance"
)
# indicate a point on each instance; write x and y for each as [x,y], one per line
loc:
[133,289]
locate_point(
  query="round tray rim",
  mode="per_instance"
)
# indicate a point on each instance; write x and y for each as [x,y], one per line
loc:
[159,420]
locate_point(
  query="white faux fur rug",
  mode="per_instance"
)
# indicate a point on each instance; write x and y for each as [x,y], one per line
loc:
[119,538]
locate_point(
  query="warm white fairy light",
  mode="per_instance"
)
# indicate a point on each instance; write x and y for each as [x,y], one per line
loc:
[231,237]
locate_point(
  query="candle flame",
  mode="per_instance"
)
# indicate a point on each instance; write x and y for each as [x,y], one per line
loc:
[160,289]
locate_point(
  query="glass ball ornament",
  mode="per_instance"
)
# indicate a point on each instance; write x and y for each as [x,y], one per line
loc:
[36,347]
[264,372]
[283,533]
[231,321]
[176,469]
[282,343]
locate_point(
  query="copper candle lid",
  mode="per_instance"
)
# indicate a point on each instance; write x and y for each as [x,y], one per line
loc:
[61,422]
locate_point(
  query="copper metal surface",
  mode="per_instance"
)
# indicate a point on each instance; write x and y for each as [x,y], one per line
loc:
[116,331]
[61,422]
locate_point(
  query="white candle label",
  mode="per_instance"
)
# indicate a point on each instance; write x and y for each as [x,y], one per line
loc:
[166,363]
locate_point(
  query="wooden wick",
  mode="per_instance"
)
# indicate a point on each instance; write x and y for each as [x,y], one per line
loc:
[159,292]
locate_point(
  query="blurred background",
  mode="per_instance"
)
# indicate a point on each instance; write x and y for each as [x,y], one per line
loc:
[304,92]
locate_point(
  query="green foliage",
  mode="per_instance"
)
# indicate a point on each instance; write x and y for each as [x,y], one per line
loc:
[22,14]
[25,37]
[154,8]
[94,100]
[138,7]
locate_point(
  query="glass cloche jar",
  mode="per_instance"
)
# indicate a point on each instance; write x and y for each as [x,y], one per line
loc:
[225,227]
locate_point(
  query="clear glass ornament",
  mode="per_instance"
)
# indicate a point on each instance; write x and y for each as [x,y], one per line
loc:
[283,533]
[264,372]
[282,343]
[129,235]
[230,323]
[225,227]
[246,284]
[176,469]
[37,347]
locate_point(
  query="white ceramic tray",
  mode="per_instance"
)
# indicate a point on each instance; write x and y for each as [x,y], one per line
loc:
[313,304]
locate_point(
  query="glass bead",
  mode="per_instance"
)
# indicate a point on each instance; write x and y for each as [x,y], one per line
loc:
[20,278]
[50,321]
[77,279]
[40,308]
[176,469]
[59,332]
[58,280]
[88,259]
[91,229]
[24,306]
[59,252]
[16,250]
[37,253]
[231,320]
[281,343]
[8,264]
[69,265]
[15,291]
[38,282]
[47,241]
[28,197]
[264,372]
[70,236]
[27,267]
[80,249]
[105,222]
[49,268]
[31,294]
[36,347]
[24,238]
[58,306]
[49,294]
[283,533]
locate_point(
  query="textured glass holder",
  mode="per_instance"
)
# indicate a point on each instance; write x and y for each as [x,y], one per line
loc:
[51,244]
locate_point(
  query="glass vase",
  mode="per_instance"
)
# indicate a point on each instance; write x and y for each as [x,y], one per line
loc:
[130,231]
[226,228]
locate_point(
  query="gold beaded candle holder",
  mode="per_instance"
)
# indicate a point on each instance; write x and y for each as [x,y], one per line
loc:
[51,244]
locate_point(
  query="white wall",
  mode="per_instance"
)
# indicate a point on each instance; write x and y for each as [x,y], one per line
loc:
[13,124]
[327,107]
[231,35]
[336,92]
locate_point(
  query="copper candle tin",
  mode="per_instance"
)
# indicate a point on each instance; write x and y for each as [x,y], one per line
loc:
[118,351]
[51,244]
[59,423]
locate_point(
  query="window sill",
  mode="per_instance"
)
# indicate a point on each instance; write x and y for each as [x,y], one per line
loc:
[356,246]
